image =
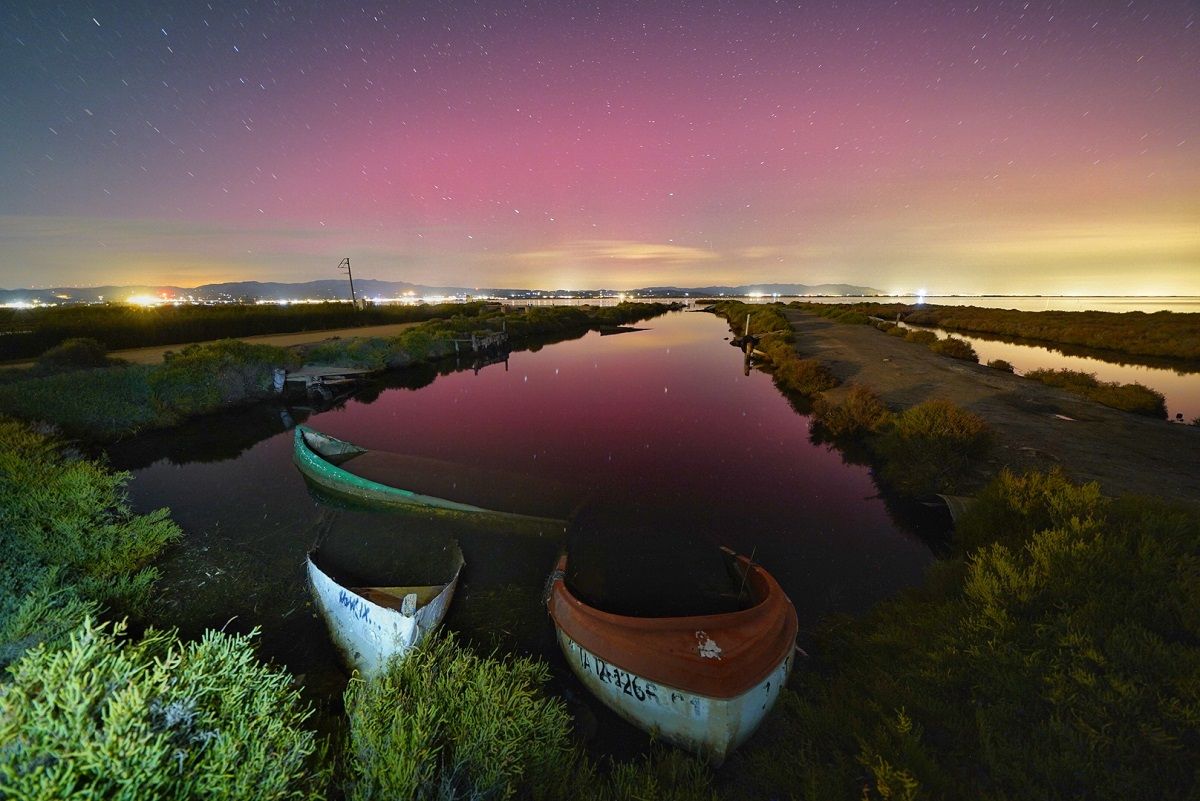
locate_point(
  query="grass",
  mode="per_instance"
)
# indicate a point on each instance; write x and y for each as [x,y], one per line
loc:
[848,314]
[1135,398]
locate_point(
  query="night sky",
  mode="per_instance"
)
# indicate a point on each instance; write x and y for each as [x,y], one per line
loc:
[1042,147]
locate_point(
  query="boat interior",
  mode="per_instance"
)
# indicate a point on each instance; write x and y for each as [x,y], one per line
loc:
[393,597]
[388,555]
[628,568]
[497,490]
[331,450]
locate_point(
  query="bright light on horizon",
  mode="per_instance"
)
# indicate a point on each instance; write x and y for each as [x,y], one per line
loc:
[144,300]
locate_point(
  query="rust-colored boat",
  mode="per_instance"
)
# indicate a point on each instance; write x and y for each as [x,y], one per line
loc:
[703,683]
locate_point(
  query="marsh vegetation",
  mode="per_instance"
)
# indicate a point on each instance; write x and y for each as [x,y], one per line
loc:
[82,398]
[30,332]
[1008,674]
[1136,398]
[1162,334]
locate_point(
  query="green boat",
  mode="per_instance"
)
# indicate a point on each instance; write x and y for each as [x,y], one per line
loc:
[361,474]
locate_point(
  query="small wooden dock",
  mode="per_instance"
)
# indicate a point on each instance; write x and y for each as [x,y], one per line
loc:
[318,375]
[482,343]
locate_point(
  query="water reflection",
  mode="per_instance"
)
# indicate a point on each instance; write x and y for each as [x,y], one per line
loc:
[681,450]
[1179,383]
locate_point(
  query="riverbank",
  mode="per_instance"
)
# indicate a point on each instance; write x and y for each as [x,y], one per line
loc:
[1165,335]
[1037,426]
[107,403]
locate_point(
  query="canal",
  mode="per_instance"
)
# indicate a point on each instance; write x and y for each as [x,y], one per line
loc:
[672,449]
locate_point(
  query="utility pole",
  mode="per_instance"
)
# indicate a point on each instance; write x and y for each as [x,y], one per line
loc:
[344,264]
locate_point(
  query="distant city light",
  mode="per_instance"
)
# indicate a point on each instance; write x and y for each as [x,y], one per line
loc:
[144,300]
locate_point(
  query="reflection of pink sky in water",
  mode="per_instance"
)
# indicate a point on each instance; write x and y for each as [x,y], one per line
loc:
[663,424]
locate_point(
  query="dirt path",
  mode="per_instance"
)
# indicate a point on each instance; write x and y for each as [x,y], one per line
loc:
[1123,452]
[154,355]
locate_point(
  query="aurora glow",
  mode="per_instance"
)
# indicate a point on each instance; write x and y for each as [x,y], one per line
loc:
[1009,147]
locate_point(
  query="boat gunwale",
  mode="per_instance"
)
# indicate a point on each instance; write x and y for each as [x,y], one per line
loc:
[670,622]
[649,627]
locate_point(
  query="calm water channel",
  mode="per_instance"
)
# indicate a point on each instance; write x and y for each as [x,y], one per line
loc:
[676,450]
[1180,387]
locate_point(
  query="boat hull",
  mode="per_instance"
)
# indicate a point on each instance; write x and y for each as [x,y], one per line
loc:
[370,635]
[710,727]
[318,470]
[329,476]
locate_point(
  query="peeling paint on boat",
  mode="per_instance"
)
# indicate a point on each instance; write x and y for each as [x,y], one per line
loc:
[369,634]
[711,727]
[701,682]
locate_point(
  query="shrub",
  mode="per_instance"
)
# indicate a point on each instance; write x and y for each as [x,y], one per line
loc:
[955,348]
[898,331]
[804,376]
[664,775]
[920,337]
[931,447]
[120,326]
[858,413]
[108,718]
[1059,662]
[1074,380]
[108,402]
[850,317]
[1012,507]
[206,377]
[1000,364]
[71,543]
[1084,639]
[765,318]
[80,353]
[1135,398]
[446,723]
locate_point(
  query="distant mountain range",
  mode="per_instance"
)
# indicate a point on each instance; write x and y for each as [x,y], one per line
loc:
[337,289]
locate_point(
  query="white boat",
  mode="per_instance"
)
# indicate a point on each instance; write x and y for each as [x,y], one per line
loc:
[703,683]
[372,624]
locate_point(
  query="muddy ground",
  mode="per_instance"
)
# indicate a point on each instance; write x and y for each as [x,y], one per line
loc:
[1125,453]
